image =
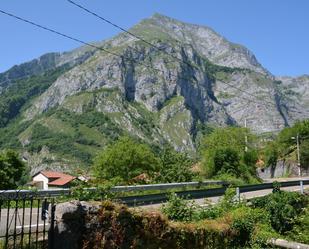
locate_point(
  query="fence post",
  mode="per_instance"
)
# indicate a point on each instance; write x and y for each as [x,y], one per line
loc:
[301,187]
[51,232]
[237,194]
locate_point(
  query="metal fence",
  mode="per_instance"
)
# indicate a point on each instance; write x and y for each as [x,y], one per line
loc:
[26,220]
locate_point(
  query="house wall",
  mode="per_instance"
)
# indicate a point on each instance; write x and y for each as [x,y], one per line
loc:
[41,178]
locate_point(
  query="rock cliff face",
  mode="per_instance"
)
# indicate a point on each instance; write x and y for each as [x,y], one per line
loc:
[294,97]
[152,95]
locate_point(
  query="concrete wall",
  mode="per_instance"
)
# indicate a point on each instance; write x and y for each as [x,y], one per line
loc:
[282,169]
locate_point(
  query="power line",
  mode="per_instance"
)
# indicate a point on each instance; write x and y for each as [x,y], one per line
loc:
[82,42]
[130,33]
[152,45]
[113,53]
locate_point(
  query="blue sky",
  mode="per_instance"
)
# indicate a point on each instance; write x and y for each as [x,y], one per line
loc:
[276,31]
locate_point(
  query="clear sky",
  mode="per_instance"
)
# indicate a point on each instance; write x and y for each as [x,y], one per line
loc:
[276,31]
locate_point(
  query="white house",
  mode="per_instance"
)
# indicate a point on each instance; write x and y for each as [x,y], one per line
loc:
[51,179]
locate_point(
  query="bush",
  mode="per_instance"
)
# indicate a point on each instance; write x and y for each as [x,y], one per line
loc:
[244,222]
[116,226]
[227,160]
[300,230]
[283,208]
[179,209]
[223,154]
[175,167]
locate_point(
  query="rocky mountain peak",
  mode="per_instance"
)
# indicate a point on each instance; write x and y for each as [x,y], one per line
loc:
[205,40]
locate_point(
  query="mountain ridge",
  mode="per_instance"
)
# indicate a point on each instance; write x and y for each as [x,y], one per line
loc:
[145,93]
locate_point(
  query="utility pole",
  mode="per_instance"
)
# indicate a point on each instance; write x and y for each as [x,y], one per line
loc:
[246,137]
[298,155]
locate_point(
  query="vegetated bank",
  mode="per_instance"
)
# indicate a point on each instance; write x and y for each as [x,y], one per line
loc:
[182,224]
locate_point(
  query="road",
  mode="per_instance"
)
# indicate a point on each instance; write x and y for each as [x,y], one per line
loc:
[214,200]
[36,221]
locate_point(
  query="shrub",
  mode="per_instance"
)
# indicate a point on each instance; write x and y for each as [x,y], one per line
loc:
[179,209]
[175,167]
[115,226]
[282,207]
[244,222]
[300,230]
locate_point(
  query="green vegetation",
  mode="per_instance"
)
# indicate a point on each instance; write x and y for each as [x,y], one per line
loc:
[281,214]
[283,208]
[174,167]
[129,161]
[126,159]
[21,92]
[120,227]
[284,145]
[12,170]
[223,154]
[230,224]
[300,229]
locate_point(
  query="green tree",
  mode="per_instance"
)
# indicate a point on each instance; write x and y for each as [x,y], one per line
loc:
[285,142]
[284,145]
[175,167]
[304,154]
[11,170]
[226,160]
[124,160]
[231,142]
[271,155]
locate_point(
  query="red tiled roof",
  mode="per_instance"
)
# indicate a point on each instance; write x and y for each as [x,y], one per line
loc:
[60,179]
[52,174]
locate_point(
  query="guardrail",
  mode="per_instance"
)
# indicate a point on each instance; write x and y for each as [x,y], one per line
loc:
[166,186]
[203,193]
[116,189]
[157,198]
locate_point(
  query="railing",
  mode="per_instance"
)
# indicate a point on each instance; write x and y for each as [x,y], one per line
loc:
[156,198]
[140,200]
[66,191]
[24,219]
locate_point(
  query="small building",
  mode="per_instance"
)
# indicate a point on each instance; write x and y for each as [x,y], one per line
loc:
[51,179]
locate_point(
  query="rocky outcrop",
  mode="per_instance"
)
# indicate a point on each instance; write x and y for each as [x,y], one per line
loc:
[293,96]
[44,63]
[70,219]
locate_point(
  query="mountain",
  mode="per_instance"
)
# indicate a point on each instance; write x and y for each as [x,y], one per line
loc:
[63,108]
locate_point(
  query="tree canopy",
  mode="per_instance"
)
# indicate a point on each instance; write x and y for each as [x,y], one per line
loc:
[12,170]
[175,166]
[223,152]
[124,160]
[285,143]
